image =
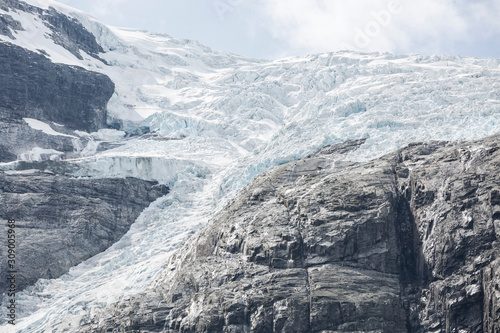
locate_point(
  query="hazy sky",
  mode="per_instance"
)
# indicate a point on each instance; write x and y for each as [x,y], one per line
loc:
[277,28]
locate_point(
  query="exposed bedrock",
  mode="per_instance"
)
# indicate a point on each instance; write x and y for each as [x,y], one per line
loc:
[34,87]
[404,243]
[66,31]
[62,221]
[31,86]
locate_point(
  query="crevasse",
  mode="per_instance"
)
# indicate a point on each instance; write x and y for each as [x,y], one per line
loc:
[220,119]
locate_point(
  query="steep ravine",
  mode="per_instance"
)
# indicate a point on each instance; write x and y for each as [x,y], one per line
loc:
[404,243]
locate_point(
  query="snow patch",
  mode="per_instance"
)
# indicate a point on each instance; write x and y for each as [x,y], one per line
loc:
[22,172]
[107,134]
[45,128]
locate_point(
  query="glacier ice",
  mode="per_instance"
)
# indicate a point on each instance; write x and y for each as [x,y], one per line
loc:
[217,120]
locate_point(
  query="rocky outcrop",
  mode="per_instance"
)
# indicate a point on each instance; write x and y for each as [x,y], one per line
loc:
[8,24]
[72,35]
[33,87]
[404,243]
[66,31]
[452,194]
[19,138]
[62,221]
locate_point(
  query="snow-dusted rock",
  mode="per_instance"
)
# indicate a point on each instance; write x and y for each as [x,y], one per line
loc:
[38,90]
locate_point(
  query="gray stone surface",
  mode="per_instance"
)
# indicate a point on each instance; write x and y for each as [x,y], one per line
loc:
[31,86]
[18,138]
[8,24]
[452,192]
[404,243]
[66,31]
[62,221]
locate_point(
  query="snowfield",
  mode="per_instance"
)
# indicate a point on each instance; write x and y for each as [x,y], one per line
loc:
[218,120]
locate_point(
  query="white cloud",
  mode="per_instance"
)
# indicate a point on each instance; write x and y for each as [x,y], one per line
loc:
[485,15]
[109,7]
[278,28]
[426,26]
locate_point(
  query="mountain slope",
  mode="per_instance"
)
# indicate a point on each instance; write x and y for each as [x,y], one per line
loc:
[404,243]
[205,123]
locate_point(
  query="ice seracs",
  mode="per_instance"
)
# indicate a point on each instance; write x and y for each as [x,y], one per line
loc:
[207,122]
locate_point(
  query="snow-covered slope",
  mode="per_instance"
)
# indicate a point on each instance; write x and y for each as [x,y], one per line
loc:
[217,120]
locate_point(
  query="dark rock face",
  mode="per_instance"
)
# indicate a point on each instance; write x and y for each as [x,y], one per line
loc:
[70,34]
[66,31]
[452,193]
[19,138]
[404,243]
[7,24]
[62,221]
[31,86]
[34,87]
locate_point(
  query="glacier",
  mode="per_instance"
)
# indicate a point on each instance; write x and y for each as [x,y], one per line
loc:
[206,123]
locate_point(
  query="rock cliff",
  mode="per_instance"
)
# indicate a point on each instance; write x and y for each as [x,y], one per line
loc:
[34,87]
[62,221]
[65,31]
[404,243]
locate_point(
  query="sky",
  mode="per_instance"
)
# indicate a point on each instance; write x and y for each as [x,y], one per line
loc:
[274,29]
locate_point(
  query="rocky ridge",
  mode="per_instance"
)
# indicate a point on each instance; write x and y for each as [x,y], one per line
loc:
[35,87]
[65,31]
[404,243]
[65,98]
